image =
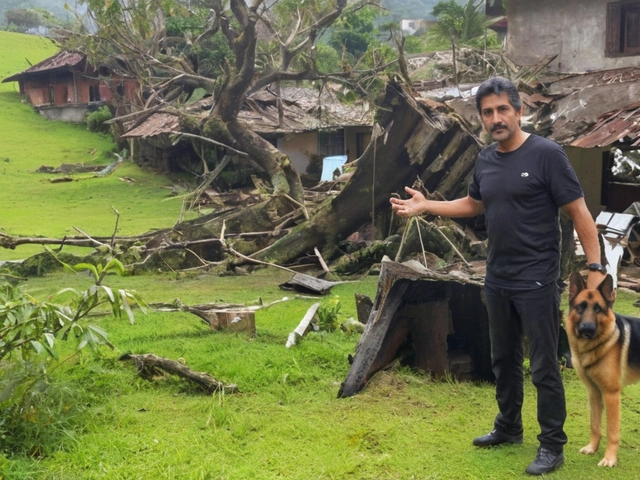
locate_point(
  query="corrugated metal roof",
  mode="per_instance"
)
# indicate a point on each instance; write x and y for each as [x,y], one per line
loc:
[618,125]
[587,110]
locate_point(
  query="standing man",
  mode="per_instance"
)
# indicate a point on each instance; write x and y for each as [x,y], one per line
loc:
[520,182]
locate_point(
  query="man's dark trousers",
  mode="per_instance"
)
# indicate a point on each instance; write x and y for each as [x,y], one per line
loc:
[534,313]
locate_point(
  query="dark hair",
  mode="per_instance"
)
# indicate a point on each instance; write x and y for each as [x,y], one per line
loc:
[496,86]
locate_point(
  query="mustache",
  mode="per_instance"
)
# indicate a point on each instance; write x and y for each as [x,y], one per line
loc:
[498,126]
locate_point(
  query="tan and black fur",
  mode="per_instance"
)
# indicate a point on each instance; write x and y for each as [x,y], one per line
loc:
[605,351]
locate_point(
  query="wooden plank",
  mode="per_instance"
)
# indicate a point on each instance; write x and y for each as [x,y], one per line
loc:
[303,327]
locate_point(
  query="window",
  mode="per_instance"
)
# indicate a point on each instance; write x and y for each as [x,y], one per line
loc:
[331,143]
[94,93]
[623,29]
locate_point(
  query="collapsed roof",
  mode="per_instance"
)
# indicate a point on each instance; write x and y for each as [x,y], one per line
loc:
[593,109]
[305,109]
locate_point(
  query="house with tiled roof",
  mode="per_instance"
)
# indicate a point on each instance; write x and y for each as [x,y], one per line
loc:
[66,86]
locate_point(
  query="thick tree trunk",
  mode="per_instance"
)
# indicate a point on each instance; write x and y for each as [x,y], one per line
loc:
[276,165]
[419,140]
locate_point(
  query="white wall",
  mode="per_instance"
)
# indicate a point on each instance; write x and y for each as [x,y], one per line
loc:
[298,147]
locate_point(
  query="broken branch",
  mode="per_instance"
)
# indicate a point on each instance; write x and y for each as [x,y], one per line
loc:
[148,366]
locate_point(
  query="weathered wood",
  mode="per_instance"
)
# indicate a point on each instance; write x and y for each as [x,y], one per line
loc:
[150,366]
[449,307]
[307,283]
[364,304]
[221,316]
[237,320]
[416,135]
[303,327]
[428,325]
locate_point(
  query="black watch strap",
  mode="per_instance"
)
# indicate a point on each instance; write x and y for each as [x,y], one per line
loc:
[596,267]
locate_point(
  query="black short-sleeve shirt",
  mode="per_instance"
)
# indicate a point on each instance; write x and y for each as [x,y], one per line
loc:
[521,192]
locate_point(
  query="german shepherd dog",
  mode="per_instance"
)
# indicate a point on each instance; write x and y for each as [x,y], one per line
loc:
[605,351]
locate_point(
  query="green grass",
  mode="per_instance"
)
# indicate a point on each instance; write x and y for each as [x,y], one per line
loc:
[33,206]
[285,422]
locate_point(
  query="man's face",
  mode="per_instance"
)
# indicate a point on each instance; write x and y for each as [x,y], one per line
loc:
[499,118]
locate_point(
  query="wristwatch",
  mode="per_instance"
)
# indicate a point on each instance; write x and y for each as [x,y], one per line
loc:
[596,267]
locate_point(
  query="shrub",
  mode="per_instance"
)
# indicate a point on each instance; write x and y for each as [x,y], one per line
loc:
[33,411]
[43,414]
[95,120]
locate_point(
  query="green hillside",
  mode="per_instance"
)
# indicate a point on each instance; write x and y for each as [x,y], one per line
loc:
[30,203]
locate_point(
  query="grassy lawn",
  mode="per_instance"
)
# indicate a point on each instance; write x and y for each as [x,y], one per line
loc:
[285,422]
[31,204]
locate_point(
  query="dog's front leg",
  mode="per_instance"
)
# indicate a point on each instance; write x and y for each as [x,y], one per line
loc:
[612,404]
[595,414]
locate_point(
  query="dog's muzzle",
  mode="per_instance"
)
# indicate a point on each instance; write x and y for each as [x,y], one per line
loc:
[587,330]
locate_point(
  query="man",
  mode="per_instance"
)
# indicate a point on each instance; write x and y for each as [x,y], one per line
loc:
[520,182]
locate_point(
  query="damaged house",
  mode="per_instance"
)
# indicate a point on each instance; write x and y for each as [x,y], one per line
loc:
[590,104]
[310,127]
[66,86]
[587,101]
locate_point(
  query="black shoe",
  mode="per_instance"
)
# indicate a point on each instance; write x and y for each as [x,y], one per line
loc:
[546,461]
[496,437]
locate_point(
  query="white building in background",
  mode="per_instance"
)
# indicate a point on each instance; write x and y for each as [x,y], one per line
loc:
[409,26]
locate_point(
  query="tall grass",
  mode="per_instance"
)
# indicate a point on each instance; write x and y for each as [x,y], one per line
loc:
[285,422]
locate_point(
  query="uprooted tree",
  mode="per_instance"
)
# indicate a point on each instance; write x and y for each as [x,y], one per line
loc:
[227,50]
[415,140]
[171,50]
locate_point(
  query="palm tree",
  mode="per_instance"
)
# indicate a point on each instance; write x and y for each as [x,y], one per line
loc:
[459,25]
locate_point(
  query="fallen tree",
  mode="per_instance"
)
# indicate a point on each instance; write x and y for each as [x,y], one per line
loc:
[413,140]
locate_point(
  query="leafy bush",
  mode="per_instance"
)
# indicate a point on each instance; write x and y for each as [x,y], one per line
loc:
[33,411]
[95,120]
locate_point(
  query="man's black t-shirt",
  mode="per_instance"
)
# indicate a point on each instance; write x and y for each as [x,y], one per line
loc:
[521,192]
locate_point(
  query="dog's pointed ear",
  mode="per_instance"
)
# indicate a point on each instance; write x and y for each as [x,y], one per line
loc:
[607,290]
[576,285]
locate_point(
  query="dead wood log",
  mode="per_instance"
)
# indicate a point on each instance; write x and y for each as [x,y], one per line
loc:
[11,242]
[428,319]
[420,139]
[237,320]
[149,366]
[220,316]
